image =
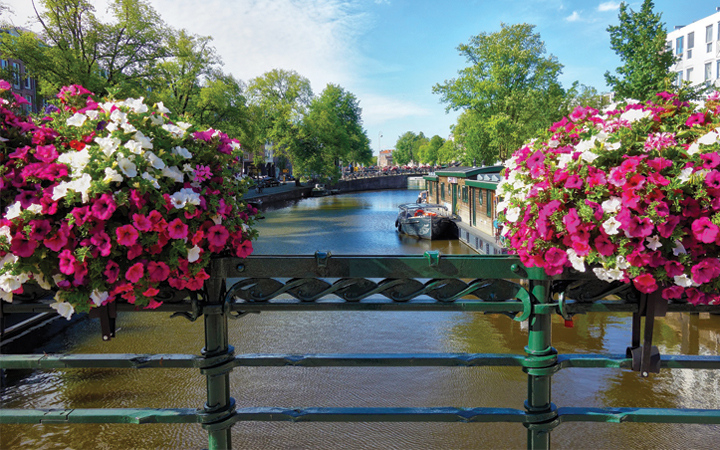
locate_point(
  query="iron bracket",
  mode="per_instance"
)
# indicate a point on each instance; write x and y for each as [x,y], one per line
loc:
[107,315]
[322,258]
[433,257]
[646,358]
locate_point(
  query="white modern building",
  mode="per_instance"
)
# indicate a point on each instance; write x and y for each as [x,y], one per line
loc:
[697,49]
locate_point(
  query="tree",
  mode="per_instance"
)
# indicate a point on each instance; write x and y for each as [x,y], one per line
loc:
[74,47]
[407,148]
[509,82]
[280,99]
[639,41]
[428,150]
[582,95]
[333,125]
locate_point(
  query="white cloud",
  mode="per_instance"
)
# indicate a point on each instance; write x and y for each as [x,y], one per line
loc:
[574,17]
[378,108]
[608,6]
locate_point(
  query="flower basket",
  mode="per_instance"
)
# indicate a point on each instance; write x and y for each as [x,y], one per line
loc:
[631,194]
[106,201]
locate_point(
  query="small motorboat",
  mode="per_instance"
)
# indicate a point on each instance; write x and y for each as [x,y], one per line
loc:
[321,191]
[426,221]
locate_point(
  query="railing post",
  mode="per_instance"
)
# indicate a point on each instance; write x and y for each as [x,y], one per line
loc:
[220,406]
[539,364]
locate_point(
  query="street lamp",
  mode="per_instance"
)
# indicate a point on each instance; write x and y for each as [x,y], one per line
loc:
[379,144]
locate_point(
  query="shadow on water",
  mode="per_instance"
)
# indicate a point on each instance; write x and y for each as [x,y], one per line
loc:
[363,223]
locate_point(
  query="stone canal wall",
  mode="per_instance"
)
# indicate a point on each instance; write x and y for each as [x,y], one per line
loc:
[373,184]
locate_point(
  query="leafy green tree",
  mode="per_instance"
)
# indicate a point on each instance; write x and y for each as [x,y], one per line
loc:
[639,40]
[509,83]
[280,99]
[428,150]
[333,125]
[75,47]
[582,95]
[407,148]
[449,151]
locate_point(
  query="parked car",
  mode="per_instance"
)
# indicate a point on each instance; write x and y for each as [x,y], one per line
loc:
[269,182]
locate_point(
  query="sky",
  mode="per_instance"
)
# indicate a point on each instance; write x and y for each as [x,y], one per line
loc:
[390,53]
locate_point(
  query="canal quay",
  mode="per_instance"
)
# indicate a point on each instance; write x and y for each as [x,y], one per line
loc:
[362,223]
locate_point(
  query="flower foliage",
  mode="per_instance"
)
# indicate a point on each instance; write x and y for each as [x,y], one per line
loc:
[633,193]
[112,200]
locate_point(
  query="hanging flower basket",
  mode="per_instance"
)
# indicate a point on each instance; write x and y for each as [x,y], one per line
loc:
[112,200]
[632,193]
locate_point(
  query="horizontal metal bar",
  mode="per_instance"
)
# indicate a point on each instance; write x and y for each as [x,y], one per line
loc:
[180,361]
[383,304]
[132,415]
[466,415]
[641,415]
[381,360]
[376,266]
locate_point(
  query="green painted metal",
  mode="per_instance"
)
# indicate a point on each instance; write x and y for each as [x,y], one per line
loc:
[326,282]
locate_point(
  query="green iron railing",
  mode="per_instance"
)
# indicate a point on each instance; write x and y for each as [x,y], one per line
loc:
[499,284]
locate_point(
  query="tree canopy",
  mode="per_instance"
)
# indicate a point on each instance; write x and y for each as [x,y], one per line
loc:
[640,42]
[510,87]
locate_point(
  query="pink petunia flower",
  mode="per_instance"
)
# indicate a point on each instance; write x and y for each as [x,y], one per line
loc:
[704,230]
[111,272]
[244,250]
[177,229]
[104,207]
[135,272]
[22,246]
[158,271]
[217,235]
[67,262]
[46,153]
[705,271]
[102,241]
[645,283]
[127,235]
[141,222]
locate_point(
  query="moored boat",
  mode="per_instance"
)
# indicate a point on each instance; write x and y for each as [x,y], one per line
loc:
[425,220]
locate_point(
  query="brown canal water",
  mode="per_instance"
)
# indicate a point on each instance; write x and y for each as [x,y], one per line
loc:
[362,223]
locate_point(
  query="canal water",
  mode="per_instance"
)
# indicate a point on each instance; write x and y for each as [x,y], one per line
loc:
[363,223]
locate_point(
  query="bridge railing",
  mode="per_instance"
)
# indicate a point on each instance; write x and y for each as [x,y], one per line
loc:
[430,282]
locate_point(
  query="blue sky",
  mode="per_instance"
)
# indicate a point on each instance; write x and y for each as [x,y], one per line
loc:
[390,53]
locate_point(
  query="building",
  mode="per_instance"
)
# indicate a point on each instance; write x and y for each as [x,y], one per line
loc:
[22,85]
[469,192]
[697,49]
[385,158]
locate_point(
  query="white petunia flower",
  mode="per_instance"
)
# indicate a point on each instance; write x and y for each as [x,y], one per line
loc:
[128,127]
[65,309]
[653,242]
[13,211]
[157,120]
[77,120]
[588,156]
[111,127]
[108,145]
[118,116]
[82,186]
[92,114]
[173,129]
[98,297]
[76,160]
[622,263]
[161,108]
[127,167]
[685,174]
[174,173]
[194,254]
[137,105]
[612,205]
[683,280]
[112,175]
[611,226]
[60,191]
[5,231]
[512,214]
[182,151]
[134,147]
[145,141]
[154,160]
[578,262]
[563,160]
[679,249]
[184,125]
[151,179]
[35,208]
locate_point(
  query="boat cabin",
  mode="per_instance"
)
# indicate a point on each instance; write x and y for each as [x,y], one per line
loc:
[469,192]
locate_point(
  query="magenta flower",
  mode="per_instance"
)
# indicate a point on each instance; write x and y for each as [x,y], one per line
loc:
[46,153]
[104,206]
[127,235]
[574,182]
[704,230]
[673,292]
[56,241]
[645,283]
[666,228]
[177,229]
[202,173]
[141,222]
[67,262]
[695,296]
[111,272]
[244,250]
[158,271]
[21,246]
[40,229]
[712,179]
[82,215]
[604,246]
[102,241]
[695,119]
[705,271]
[711,160]
[639,227]
[134,251]
[217,235]
[135,272]
[555,257]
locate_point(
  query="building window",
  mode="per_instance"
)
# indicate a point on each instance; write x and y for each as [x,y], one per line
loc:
[679,78]
[688,74]
[16,75]
[28,83]
[708,71]
[689,54]
[442,191]
[465,194]
[679,46]
[3,63]
[691,40]
[718,69]
[429,186]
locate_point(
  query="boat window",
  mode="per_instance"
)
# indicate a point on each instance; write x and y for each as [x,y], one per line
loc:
[465,194]
[442,191]
[489,203]
[480,197]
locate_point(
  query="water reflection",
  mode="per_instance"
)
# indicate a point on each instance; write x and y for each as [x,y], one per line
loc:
[363,223]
